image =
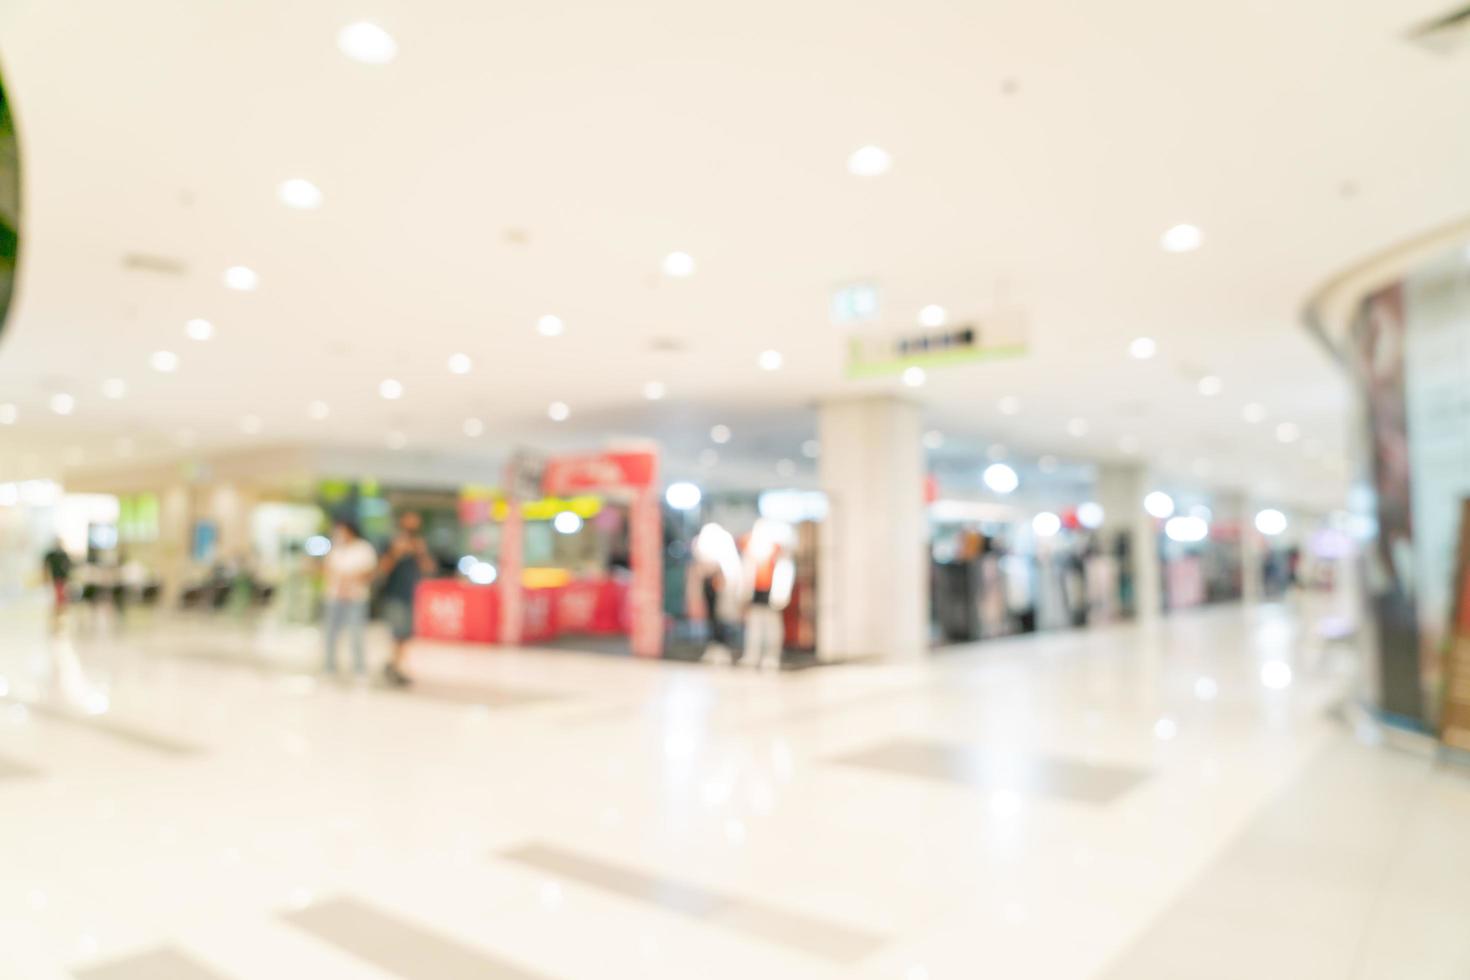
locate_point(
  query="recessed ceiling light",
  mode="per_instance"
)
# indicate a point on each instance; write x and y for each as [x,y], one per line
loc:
[198,329]
[914,377]
[654,390]
[1009,405]
[558,411]
[720,434]
[300,193]
[396,440]
[473,428]
[770,360]
[9,414]
[1000,478]
[1288,432]
[63,404]
[1090,514]
[368,43]
[932,316]
[251,425]
[1046,524]
[678,265]
[1158,504]
[1181,238]
[1077,428]
[1254,412]
[550,326]
[241,277]
[460,364]
[1142,348]
[869,161]
[164,361]
[318,410]
[811,449]
[391,389]
[933,439]
[114,388]
[1210,386]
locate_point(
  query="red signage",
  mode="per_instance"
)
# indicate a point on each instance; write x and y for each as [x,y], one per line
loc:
[600,471]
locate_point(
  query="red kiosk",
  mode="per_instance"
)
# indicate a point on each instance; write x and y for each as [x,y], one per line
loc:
[509,612]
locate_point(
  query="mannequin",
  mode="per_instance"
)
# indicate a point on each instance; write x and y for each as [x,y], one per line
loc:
[768,575]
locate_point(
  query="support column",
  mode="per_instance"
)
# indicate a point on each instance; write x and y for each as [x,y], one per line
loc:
[873,584]
[1121,489]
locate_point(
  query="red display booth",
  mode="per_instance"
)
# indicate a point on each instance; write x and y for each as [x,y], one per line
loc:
[508,612]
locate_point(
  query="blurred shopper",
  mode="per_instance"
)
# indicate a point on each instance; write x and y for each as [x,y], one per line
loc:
[402,568]
[769,575]
[713,576]
[349,572]
[56,566]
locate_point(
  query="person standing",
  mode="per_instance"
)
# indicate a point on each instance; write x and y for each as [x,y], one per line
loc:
[349,576]
[769,575]
[402,568]
[56,566]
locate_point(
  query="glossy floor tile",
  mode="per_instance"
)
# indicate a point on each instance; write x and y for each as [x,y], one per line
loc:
[189,794]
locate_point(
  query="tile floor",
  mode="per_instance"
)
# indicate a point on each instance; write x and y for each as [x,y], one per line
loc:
[184,799]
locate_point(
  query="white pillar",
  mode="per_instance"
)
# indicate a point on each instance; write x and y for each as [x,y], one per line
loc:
[1121,489]
[873,579]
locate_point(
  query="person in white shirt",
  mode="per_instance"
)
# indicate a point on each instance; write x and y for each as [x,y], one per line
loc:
[349,573]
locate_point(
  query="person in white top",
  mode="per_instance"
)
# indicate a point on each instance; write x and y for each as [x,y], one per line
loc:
[349,573]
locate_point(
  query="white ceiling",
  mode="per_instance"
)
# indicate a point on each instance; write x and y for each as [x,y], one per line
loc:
[1040,148]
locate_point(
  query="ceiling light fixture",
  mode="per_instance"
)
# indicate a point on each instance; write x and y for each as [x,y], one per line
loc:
[114,388]
[770,360]
[550,326]
[1270,522]
[1046,524]
[683,496]
[460,364]
[63,404]
[1181,238]
[1000,478]
[164,361]
[1142,348]
[300,194]
[932,316]
[199,329]
[914,377]
[678,265]
[367,43]
[1091,515]
[391,389]
[1158,504]
[720,434]
[242,278]
[654,390]
[869,161]
[558,411]
[1210,386]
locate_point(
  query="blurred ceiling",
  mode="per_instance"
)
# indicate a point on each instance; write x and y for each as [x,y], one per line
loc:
[516,160]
